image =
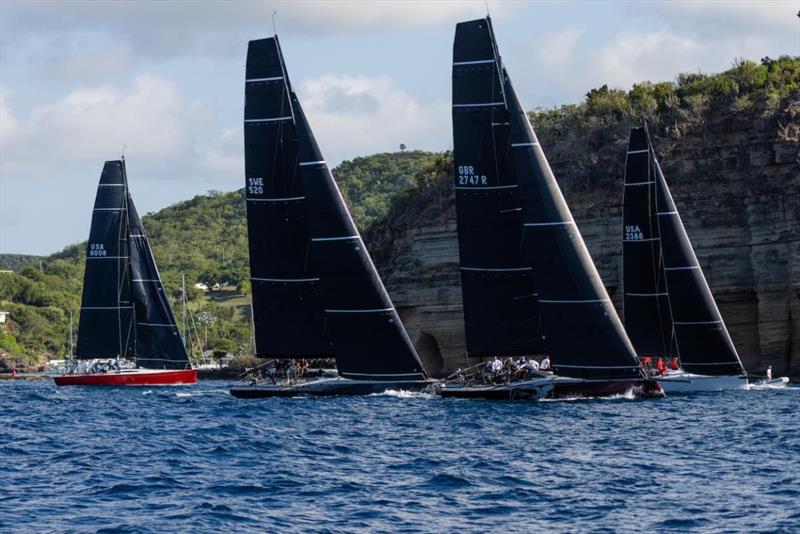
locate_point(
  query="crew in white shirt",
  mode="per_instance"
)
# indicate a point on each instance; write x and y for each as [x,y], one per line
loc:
[545,365]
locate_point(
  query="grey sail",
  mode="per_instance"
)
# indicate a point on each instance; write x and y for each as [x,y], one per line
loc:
[703,342]
[158,341]
[287,310]
[501,312]
[584,335]
[646,309]
[106,326]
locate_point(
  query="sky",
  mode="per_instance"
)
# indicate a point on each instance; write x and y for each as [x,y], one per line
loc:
[81,82]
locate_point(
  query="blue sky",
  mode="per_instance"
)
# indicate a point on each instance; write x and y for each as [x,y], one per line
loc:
[80,80]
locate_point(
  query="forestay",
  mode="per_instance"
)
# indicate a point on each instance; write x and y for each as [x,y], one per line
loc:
[646,303]
[287,310]
[106,319]
[500,303]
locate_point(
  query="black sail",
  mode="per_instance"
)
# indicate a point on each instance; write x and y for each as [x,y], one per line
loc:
[287,311]
[584,335]
[646,303]
[500,305]
[366,332]
[158,341]
[704,345]
[106,319]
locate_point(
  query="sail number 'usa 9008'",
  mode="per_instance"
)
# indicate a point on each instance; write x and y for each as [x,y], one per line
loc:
[97,249]
[467,176]
[255,186]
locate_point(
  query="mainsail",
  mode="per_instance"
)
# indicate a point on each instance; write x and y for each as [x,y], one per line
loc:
[158,341]
[287,310]
[500,306]
[584,335]
[646,303]
[106,318]
[704,345]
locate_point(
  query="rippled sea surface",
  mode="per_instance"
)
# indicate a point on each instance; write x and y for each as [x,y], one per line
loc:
[194,459]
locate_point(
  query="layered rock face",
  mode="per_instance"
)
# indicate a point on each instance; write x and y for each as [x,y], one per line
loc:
[736,183]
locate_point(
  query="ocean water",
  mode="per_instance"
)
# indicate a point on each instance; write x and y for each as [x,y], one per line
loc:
[194,459]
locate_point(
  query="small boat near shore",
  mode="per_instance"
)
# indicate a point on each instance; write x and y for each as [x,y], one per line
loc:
[529,284]
[316,292]
[127,335]
[670,312]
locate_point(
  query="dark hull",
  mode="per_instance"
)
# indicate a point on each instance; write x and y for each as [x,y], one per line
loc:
[557,388]
[328,388]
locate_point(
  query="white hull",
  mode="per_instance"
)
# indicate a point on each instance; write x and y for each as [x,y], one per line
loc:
[682,382]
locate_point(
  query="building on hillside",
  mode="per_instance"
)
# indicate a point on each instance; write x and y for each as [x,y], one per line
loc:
[3,316]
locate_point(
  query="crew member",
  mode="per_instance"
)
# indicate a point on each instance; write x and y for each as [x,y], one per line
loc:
[769,373]
[545,365]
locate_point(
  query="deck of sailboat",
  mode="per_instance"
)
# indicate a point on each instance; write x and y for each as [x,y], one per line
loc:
[330,386]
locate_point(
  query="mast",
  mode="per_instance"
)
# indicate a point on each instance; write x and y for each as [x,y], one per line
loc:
[287,310]
[184,303]
[106,327]
[71,347]
[646,302]
[501,311]
[703,342]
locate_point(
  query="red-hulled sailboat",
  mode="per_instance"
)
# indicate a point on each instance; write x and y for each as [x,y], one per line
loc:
[127,334]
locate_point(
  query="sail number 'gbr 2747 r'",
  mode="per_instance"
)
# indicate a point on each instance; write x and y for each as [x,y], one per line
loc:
[467,176]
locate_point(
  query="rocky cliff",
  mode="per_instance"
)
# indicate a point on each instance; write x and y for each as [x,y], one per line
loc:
[735,179]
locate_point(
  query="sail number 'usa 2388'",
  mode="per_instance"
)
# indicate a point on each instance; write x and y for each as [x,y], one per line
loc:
[633,232]
[255,186]
[467,176]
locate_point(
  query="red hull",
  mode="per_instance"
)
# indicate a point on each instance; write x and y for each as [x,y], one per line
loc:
[137,378]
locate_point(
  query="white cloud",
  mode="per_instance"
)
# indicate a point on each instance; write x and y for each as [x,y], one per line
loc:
[363,115]
[556,47]
[150,117]
[720,17]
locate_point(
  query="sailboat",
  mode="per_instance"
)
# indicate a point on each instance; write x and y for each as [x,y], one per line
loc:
[316,292]
[669,310]
[517,233]
[125,313]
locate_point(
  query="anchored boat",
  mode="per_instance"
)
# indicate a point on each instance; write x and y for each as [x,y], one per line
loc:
[316,292]
[125,314]
[669,310]
[529,285]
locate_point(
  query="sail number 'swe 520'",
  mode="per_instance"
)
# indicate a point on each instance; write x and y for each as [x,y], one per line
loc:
[467,176]
[255,186]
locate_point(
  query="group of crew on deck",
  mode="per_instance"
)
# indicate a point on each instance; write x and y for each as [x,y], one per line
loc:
[289,371]
[660,367]
[497,371]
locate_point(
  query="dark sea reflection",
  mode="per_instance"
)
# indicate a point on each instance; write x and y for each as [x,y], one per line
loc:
[194,459]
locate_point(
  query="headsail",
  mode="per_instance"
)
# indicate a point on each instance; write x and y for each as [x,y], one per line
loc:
[368,337]
[704,345]
[106,319]
[158,341]
[584,334]
[287,310]
[646,303]
[500,305]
